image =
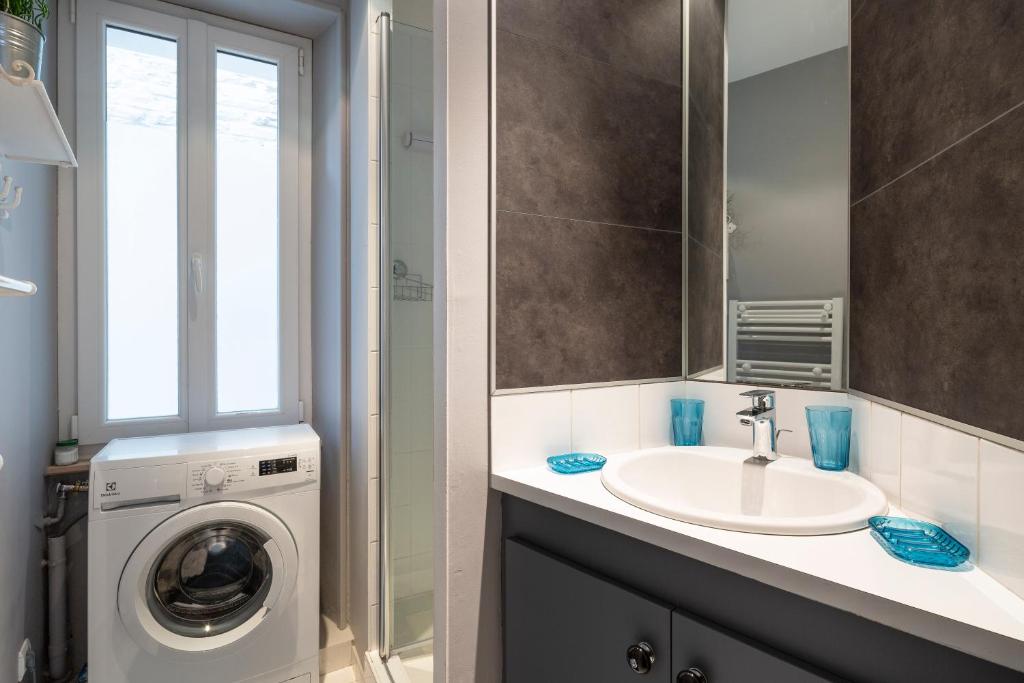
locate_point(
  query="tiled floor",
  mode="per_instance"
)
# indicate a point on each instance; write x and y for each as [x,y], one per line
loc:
[414,618]
[347,675]
[419,669]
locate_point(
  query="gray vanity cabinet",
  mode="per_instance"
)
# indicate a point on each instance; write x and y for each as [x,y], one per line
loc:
[565,624]
[702,650]
[566,581]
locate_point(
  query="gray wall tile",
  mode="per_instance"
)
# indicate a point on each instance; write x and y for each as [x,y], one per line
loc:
[704,308]
[924,74]
[937,283]
[589,191]
[640,36]
[705,185]
[707,59]
[705,178]
[585,302]
[579,139]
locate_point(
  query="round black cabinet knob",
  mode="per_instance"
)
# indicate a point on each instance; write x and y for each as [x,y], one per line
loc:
[692,675]
[640,657]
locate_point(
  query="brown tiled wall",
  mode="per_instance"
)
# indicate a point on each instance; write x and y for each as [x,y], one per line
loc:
[705,185]
[589,191]
[937,217]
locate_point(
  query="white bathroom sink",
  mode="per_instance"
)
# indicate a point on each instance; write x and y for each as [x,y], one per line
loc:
[722,488]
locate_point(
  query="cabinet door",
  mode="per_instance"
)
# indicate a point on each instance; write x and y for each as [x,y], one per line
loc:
[722,656]
[564,624]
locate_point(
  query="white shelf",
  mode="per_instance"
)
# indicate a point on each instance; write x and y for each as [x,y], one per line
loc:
[31,131]
[12,287]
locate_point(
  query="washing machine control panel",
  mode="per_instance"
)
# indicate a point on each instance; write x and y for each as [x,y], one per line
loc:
[250,473]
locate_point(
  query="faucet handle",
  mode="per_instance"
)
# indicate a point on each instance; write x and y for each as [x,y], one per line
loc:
[763,399]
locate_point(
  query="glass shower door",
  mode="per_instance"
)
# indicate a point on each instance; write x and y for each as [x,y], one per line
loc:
[407,276]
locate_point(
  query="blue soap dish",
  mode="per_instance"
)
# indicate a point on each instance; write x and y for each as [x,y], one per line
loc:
[919,543]
[575,463]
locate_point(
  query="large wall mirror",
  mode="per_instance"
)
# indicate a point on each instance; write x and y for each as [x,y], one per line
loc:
[839,210]
[767,192]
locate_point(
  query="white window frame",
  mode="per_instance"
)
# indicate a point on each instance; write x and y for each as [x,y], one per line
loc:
[199,37]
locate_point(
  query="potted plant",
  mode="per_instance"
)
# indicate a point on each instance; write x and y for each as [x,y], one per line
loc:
[21,34]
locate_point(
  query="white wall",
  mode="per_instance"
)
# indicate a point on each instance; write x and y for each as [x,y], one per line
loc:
[788,181]
[28,399]
[467,613]
[330,308]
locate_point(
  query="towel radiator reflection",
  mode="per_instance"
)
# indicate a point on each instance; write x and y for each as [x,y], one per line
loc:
[787,343]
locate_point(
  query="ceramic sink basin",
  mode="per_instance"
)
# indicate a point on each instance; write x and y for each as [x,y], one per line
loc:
[723,488]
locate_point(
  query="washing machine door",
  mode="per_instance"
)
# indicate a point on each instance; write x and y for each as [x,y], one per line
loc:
[207,578]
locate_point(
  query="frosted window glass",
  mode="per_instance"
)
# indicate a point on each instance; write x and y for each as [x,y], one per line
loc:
[141,225]
[247,230]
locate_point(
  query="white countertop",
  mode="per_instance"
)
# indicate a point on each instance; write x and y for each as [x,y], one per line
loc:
[964,609]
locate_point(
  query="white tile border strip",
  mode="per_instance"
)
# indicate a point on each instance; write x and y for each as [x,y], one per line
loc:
[1009,442]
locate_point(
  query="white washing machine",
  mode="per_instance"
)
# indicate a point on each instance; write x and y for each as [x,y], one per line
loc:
[204,558]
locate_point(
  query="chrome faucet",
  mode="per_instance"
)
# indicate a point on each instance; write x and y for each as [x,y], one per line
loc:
[761,417]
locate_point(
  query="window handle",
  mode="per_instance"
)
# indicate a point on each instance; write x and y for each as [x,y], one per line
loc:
[198,283]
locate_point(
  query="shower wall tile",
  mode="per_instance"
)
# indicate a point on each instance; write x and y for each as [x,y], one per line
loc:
[580,139]
[925,73]
[936,283]
[641,36]
[581,302]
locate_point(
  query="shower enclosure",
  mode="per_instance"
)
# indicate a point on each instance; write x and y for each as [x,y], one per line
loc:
[406,343]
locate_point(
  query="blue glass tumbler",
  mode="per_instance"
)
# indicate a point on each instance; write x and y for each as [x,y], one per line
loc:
[830,436]
[687,421]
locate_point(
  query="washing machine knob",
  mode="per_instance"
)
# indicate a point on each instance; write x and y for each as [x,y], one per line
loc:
[214,477]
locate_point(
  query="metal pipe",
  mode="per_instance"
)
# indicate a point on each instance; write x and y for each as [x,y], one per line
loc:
[819,303]
[384,352]
[781,338]
[58,516]
[57,577]
[782,374]
[755,364]
[57,566]
[771,329]
[62,491]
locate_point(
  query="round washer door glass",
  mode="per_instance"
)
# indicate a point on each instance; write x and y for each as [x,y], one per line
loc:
[210,579]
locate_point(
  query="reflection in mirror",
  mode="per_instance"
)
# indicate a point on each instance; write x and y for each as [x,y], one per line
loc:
[767,272]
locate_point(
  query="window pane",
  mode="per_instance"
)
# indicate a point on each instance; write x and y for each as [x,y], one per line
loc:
[248,300]
[141,225]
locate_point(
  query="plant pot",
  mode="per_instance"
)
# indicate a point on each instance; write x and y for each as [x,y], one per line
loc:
[20,40]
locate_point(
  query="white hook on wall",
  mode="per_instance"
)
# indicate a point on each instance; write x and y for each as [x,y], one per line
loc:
[5,191]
